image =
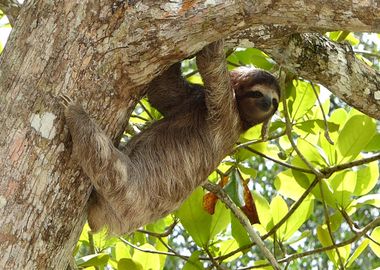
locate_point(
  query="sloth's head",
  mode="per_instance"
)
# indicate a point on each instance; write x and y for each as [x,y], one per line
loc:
[257,95]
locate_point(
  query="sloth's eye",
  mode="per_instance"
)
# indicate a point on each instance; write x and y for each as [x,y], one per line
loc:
[255,94]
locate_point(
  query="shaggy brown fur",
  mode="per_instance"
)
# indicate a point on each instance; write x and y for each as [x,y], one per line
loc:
[163,164]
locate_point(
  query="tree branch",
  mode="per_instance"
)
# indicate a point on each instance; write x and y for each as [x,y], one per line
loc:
[316,58]
[360,233]
[11,8]
[335,66]
[218,191]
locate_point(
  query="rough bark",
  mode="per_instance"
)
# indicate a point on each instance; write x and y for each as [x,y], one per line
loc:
[11,8]
[335,66]
[103,54]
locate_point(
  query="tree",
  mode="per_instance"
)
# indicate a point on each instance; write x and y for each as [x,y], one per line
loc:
[106,52]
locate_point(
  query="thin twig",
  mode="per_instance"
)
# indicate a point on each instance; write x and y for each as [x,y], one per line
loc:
[218,191]
[289,134]
[92,246]
[362,232]
[140,117]
[213,261]
[354,227]
[233,64]
[188,75]
[146,110]
[327,218]
[166,233]
[329,171]
[278,161]
[172,250]
[148,250]
[326,133]
[273,137]
[374,54]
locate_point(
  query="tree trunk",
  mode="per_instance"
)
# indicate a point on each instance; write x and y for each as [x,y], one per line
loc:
[102,53]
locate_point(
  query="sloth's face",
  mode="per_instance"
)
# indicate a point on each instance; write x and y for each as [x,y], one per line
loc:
[256,103]
[257,94]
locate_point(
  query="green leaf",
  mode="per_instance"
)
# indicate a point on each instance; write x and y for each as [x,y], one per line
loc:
[357,252]
[254,133]
[262,262]
[328,193]
[84,234]
[238,232]
[195,219]
[312,153]
[102,240]
[252,56]
[247,171]
[234,189]
[352,39]
[303,179]
[160,225]
[323,236]
[338,117]
[263,210]
[295,238]
[304,100]
[122,251]
[326,109]
[367,178]
[328,148]
[374,144]
[343,185]
[279,209]
[129,264]
[342,36]
[152,111]
[161,247]
[334,35]
[195,79]
[375,235]
[287,185]
[336,221]
[228,246]
[99,259]
[149,261]
[300,215]
[372,199]
[354,137]
[314,126]
[220,219]
[194,263]
[325,239]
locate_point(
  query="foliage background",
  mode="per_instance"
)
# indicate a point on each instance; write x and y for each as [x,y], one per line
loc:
[335,211]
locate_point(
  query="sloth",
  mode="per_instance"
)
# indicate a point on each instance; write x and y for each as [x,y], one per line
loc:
[160,167]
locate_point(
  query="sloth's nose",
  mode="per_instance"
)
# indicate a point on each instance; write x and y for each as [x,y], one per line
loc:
[265,103]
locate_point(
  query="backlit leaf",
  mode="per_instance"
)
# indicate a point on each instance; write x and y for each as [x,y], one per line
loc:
[195,219]
[354,137]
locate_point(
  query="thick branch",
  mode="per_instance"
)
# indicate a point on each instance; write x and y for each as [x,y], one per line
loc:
[11,8]
[316,58]
[335,66]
